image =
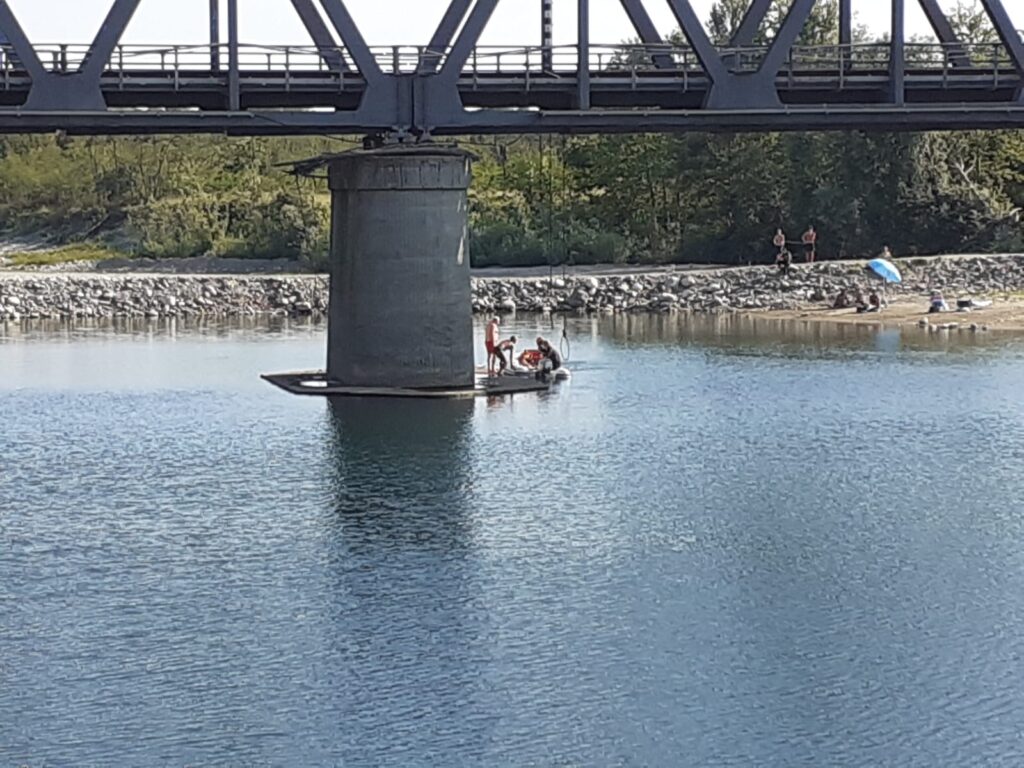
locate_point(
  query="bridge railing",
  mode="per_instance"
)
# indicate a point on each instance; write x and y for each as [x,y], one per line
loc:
[525,61]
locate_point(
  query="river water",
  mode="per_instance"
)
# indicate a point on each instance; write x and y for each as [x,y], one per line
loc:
[722,543]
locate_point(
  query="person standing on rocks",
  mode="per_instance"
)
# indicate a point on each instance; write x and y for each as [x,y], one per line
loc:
[491,343]
[810,241]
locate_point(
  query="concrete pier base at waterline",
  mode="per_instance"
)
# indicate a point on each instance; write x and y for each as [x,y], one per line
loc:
[400,302]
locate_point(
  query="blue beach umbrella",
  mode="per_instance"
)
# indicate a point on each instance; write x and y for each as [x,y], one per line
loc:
[886,270]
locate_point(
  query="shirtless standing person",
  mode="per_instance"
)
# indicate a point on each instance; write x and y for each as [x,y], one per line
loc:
[779,241]
[810,240]
[491,342]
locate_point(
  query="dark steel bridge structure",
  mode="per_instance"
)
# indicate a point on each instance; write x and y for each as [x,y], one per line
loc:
[454,86]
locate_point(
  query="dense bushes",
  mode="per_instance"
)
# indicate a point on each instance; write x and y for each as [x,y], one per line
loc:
[705,198]
[166,197]
[283,225]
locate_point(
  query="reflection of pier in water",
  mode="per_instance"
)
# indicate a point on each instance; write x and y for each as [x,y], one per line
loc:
[415,446]
[404,601]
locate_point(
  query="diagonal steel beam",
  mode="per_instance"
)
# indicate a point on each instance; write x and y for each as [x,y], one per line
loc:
[20,43]
[353,39]
[468,37]
[107,38]
[1007,33]
[443,36]
[944,31]
[751,23]
[695,33]
[787,36]
[320,35]
[644,26]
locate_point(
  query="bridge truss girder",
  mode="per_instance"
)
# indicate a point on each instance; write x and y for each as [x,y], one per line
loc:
[429,98]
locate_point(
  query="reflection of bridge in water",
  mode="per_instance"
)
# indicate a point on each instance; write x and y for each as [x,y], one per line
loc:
[453,85]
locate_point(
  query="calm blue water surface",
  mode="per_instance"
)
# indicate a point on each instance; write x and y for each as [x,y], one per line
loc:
[726,543]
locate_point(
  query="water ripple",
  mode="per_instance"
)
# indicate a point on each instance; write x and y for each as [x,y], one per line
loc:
[713,547]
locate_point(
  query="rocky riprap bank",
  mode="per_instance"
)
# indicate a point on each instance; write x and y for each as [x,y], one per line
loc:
[745,288]
[97,295]
[93,295]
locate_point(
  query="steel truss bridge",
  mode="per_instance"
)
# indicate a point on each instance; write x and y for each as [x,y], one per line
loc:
[452,85]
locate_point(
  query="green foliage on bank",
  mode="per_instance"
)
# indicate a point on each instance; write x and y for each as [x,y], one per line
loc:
[711,198]
[166,196]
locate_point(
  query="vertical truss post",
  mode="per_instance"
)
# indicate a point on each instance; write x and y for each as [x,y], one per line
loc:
[583,54]
[547,35]
[215,35]
[845,22]
[846,33]
[234,91]
[897,53]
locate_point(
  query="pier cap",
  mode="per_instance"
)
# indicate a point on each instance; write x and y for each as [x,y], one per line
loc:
[396,167]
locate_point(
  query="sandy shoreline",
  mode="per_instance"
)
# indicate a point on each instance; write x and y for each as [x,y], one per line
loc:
[1005,314]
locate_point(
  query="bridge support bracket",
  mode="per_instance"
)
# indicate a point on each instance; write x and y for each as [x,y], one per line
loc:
[70,91]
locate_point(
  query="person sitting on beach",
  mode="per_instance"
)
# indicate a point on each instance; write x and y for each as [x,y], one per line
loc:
[874,302]
[863,302]
[503,348]
[938,303]
[784,261]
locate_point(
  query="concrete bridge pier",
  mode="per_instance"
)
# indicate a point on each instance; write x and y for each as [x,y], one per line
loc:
[401,309]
